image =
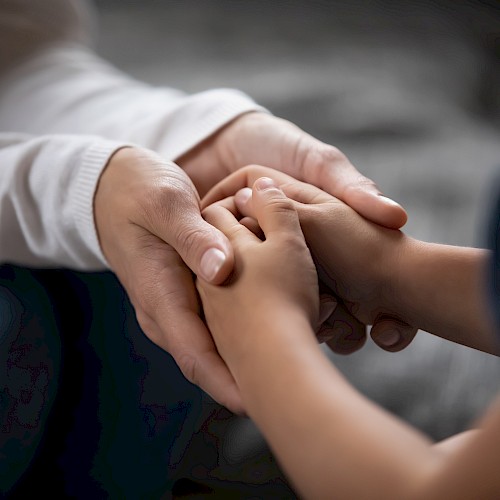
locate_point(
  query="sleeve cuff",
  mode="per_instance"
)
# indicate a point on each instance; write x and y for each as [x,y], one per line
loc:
[94,162]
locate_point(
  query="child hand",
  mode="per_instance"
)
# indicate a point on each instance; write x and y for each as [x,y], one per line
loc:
[355,258]
[272,279]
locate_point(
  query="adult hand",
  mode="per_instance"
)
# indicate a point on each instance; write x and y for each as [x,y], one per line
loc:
[259,138]
[147,214]
[327,222]
[149,224]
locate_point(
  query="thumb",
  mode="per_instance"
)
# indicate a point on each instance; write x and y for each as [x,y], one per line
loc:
[274,211]
[205,249]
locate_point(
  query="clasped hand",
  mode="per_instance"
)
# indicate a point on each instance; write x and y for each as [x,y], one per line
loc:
[147,213]
[355,259]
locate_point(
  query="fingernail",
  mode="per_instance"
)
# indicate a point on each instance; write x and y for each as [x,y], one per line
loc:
[243,195]
[264,183]
[211,262]
[389,201]
[389,338]
[326,308]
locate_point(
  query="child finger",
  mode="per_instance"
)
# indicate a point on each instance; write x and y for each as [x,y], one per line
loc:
[252,225]
[222,218]
[243,177]
[243,202]
[275,212]
[229,204]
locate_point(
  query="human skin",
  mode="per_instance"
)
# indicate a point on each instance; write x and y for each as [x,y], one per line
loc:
[330,440]
[152,234]
[379,272]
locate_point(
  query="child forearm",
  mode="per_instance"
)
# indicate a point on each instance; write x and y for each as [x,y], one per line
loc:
[329,439]
[442,289]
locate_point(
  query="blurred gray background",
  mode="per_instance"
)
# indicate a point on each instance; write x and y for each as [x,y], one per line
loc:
[410,91]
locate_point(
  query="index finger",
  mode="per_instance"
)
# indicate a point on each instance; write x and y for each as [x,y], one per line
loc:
[225,220]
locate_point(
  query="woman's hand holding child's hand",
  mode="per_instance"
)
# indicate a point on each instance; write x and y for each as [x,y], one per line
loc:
[356,259]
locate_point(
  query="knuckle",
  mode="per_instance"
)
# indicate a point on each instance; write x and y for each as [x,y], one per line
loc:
[146,323]
[236,231]
[360,183]
[188,365]
[283,209]
[164,199]
[189,237]
[247,169]
[278,202]
[331,154]
[299,152]
[319,161]
[150,328]
[143,309]
[325,159]
[295,244]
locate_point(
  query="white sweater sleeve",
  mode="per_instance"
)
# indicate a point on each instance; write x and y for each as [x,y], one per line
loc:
[47,187]
[52,85]
[69,89]
[52,82]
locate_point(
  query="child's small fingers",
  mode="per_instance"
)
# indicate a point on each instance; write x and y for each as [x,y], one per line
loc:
[252,225]
[275,212]
[222,218]
[243,177]
[228,203]
[243,202]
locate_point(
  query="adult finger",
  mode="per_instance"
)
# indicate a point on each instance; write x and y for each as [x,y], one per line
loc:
[285,147]
[147,210]
[173,215]
[346,184]
[391,334]
[346,333]
[327,305]
[161,288]
[329,169]
[140,188]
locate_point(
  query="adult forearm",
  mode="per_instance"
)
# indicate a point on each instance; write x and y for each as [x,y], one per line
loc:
[47,187]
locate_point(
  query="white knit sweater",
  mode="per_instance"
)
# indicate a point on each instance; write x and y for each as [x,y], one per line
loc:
[63,112]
